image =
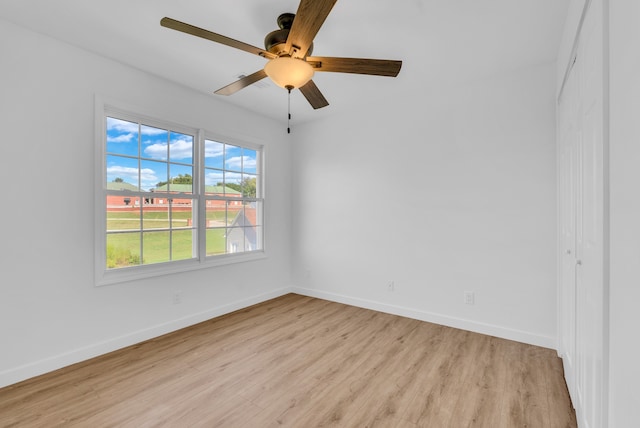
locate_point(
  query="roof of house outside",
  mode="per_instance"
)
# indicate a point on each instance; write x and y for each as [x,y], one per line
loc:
[245,217]
[183,188]
[114,185]
[187,188]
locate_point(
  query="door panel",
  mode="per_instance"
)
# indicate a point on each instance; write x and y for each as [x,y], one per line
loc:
[568,141]
[582,293]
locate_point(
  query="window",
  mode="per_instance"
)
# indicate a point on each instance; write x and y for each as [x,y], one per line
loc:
[173,198]
[232,207]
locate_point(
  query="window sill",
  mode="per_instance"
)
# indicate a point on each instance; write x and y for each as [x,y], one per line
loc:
[117,276]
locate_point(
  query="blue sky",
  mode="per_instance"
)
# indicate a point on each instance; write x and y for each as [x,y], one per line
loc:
[160,149]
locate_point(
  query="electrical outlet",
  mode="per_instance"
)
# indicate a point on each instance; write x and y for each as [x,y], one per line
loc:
[469,297]
[391,286]
[177,297]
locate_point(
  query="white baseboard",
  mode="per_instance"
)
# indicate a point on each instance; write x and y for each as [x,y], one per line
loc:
[464,324]
[18,374]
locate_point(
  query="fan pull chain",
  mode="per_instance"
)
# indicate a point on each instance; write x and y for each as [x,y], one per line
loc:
[289,88]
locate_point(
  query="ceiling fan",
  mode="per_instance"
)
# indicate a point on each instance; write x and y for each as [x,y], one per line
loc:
[288,51]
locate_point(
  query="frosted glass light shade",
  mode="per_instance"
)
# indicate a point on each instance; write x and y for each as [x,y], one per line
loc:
[286,71]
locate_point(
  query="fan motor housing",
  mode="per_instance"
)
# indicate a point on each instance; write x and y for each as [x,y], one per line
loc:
[274,41]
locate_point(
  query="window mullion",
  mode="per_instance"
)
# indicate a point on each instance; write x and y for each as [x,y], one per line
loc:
[200,244]
[141,199]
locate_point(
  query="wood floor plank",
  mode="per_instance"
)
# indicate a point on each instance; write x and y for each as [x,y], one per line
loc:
[316,398]
[562,414]
[297,361]
[525,403]
[307,384]
[483,384]
[433,405]
[320,361]
[399,383]
[349,395]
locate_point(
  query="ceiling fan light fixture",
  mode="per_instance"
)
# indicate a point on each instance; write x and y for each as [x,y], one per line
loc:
[289,72]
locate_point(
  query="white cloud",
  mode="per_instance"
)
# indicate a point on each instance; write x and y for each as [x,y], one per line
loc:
[249,162]
[213,178]
[233,177]
[148,130]
[238,162]
[180,149]
[130,175]
[121,125]
[148,176]
[124,138]
[213,150]
[157,151]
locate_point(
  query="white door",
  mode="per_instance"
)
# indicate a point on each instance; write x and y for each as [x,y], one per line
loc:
[590,296]
[568,137]
[581,186]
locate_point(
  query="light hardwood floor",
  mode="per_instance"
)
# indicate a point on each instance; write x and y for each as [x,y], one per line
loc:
[301,362]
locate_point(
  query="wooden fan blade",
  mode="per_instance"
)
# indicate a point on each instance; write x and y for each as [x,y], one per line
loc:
[309,18]
[313,95]
[234,87]
[215,37]
[376,67]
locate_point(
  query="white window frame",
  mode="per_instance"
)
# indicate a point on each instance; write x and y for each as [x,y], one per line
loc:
[104,276]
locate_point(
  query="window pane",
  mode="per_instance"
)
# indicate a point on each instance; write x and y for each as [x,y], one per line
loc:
[155,247]
[182,214]
[181,148]
[122,137]
[235,213]
[249,182]
[250,161]
[153,175]
[216,214]
[233,158]
[155,217]
[214,190]
[123,171]
[235,240]
[231,192]
[181,178]
[255,238]
[243,214]
[214,182]
[241,239]
[213,154]
[216,242]
[123,213]
[233,178]
[253,214]
[123,249]
[182,245]
[153,143]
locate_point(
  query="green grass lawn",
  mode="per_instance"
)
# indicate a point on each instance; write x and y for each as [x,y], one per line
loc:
[153,220]
[123,249]
[150,220]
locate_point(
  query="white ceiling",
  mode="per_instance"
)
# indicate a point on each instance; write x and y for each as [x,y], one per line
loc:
[441,42]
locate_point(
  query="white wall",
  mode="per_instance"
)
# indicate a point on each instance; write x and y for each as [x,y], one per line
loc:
[443,191]
[50,312]
[625,214]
